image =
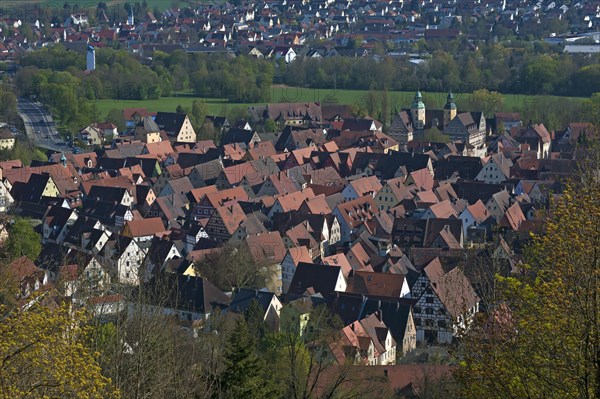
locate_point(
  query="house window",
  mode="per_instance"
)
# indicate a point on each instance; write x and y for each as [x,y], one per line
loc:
[429,311]
[429,299]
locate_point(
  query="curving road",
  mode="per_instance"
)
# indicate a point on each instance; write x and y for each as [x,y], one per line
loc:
[40,127]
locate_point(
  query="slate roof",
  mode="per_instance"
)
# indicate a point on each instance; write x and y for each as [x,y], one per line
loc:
[314,278]
[237,135]
[107,194]
[187,293]
[474,191]
[395,312]
[170,122]
[466,168]
[243,297]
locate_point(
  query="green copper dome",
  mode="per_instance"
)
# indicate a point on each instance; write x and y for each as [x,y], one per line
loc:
[417,102]
[450,101]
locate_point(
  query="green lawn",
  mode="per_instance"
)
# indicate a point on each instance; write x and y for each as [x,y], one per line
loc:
[297,94]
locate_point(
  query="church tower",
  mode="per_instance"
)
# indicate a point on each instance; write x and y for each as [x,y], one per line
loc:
[417,111]
[449,109]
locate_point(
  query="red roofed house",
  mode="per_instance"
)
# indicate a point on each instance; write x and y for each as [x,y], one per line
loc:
[352,214]
[268,249]
[361,187]
[224,222]
[26,276]
[212,200]
[513,217]
[446,303]
[367,342]
[290,202]
[289,263]
[474,215]
[143,229]
[441,210]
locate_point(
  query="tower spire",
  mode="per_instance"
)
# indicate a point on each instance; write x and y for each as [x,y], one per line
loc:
[449,109]
[417,111]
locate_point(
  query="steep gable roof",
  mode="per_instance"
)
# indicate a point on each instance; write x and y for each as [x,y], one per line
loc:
[453,288]
[171,122]
[231,216]
[355,212]
[375,284]
[266,246]
[513,217]
[478,211]
[195,294]
[317,278]
[145,227]
[366,185]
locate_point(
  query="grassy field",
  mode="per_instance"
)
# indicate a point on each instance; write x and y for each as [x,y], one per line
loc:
[297,94]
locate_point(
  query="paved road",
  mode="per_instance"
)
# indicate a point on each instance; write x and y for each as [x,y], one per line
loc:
[40,127]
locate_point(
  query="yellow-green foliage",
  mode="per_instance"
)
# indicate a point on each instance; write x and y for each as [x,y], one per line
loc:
[544,340]
[43,355]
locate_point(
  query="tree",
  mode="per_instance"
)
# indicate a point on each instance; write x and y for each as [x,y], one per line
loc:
[305,356]
[358,110]
[199,112]
[149,355]
[371,103]
[435,135]
[208,132]
[116,117]
[591,108]
[270,125]
[355,42]
[489,102]
[540,75]
[22,241]
[586,81]
[233,266]
[386,113]
[44,354]
[8,104]
[245,374]
[542,337]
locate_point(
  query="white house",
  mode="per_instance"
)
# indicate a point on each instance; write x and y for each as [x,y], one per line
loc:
[289,263]
[473,215]
[360,187]
[496,170]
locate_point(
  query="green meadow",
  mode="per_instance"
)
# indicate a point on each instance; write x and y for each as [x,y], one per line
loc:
[279,94]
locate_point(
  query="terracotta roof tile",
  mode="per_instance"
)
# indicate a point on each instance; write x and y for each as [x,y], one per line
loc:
[366,185]
[145,227]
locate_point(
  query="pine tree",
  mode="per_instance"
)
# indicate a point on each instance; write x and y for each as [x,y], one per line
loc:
[245,374]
